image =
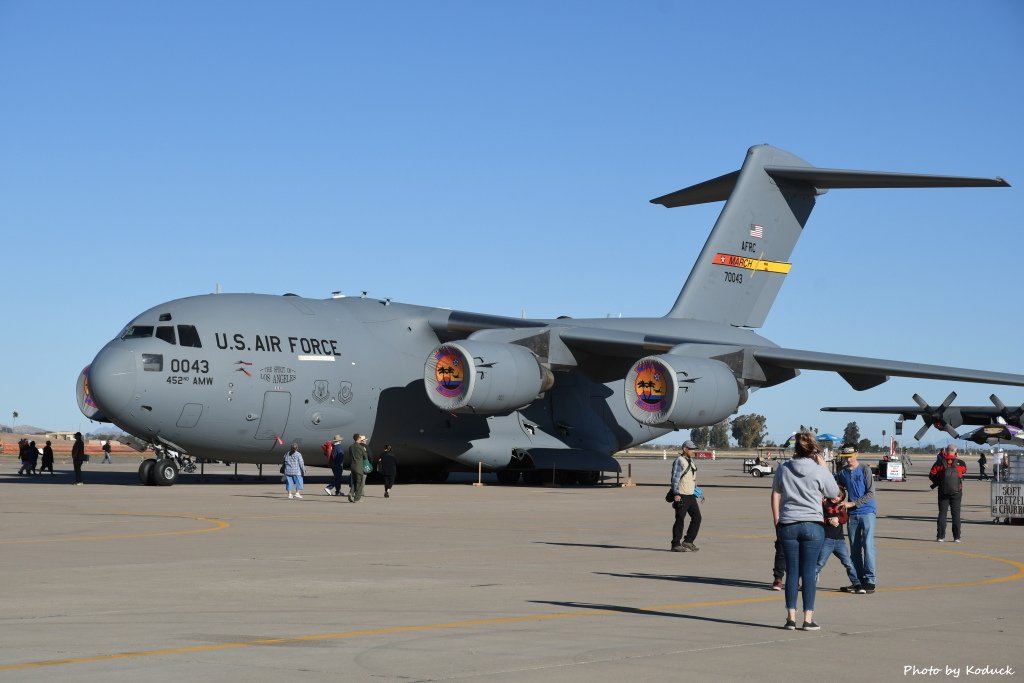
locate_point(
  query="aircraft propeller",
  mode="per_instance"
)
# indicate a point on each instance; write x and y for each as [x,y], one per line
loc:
[1011,415]
[935,416]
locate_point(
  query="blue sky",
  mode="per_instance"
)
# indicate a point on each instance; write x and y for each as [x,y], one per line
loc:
[153,150]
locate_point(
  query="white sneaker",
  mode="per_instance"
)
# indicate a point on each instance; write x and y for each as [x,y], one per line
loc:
[290,496]
[327,490]
[298,495]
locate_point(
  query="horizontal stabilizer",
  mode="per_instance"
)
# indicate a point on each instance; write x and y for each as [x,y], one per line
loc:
[833,178]
[714,190]
[719,189]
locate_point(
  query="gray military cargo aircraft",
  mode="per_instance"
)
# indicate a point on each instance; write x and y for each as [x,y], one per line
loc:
[235,377]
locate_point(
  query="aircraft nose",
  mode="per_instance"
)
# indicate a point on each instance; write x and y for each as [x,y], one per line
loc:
[112,379]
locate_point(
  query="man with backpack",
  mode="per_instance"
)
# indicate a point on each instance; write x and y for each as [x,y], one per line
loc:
[947,476]
[684,500]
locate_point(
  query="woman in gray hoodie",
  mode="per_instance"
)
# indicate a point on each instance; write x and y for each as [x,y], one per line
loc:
[797,492]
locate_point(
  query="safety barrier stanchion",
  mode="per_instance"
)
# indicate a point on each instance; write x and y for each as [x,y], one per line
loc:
[629,476]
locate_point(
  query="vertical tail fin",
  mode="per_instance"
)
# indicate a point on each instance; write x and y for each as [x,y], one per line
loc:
[746,257]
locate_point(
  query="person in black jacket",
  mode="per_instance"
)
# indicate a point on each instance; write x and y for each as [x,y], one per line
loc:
[23,456]
[387,465]
[47,458]
[78,457]
[948,477]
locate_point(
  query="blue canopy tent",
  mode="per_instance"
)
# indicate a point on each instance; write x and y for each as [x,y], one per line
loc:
[830,437]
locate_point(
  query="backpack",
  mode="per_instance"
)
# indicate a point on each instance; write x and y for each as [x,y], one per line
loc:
[949,482]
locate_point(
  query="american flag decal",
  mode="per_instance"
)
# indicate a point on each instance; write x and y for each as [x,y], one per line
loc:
[756,230]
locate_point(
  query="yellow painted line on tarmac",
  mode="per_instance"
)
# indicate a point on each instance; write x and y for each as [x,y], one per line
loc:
[216,525]
[497,620]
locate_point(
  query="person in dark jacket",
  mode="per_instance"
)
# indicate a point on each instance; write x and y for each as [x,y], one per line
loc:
[78,457]
[33,458]
[387,465]
[947,476]
[357,455]
[23,456]
[47,458]
[337,462]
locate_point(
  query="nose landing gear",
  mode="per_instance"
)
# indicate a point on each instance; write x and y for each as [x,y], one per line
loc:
[163,470]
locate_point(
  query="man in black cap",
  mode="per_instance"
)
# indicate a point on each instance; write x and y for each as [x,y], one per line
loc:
[684,482]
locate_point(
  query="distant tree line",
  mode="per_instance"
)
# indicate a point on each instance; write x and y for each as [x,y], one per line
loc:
[751,431]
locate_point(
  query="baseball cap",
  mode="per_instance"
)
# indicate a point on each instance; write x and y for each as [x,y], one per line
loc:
[689,444]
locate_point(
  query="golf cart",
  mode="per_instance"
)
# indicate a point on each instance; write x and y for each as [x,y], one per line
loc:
[762,464]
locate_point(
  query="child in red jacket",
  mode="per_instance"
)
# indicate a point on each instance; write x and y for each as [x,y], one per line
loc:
[835,543]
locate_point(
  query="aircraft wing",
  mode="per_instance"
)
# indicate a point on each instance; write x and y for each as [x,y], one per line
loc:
[761,364]
[864,373]
[860,372]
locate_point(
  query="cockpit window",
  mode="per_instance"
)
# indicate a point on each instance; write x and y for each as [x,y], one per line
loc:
[164,317]
[138,332]
[189,337]
[153,362]
[165,332]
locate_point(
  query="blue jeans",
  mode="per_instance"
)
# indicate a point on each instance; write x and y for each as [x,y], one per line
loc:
[837,547]
[861,529]
[801,544]
[293,481]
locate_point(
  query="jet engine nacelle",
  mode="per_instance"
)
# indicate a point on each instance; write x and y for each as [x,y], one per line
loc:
[679,392]
[484,378]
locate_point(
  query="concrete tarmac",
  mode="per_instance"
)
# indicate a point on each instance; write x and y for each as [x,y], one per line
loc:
[229,580]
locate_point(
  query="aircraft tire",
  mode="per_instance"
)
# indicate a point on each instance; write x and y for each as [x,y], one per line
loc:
[165,472]
[508,477]
[589,478]
[146,471]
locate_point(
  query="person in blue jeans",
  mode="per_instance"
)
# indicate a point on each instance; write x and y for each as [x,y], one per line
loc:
[293,469]
[835,542]
[797,490]
[860,489]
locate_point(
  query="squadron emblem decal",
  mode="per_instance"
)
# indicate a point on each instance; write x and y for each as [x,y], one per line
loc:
[651,388]
[449,372]
[320,390]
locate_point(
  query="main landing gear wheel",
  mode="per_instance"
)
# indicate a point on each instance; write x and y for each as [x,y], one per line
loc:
[165,472]
[146,472]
